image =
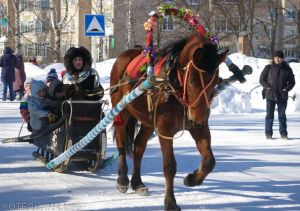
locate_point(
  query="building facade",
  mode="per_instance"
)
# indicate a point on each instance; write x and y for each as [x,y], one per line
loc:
[39,21]
[227,19]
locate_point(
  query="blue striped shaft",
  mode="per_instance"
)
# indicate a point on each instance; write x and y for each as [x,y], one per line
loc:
[150,70]
[228,61]
[103,124]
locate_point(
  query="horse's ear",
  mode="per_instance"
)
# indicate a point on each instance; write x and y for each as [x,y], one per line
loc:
[222,56]
[207,58]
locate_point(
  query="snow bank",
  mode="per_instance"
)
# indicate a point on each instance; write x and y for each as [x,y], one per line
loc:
[237,98]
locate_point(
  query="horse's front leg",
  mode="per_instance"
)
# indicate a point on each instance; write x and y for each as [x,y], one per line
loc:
[203,141]
[140,144]
[169,165]
[122,180]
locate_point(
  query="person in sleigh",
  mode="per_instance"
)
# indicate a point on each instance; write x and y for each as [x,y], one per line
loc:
[81,81]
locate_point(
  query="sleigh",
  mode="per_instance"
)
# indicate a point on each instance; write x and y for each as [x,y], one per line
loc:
[80,118]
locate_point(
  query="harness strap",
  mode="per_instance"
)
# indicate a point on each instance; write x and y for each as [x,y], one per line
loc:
[203,91]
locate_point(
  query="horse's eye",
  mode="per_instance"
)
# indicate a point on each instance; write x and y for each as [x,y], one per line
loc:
[194,79]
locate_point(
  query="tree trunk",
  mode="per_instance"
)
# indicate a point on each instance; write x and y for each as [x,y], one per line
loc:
[57,26]
[129,26]
[17,31]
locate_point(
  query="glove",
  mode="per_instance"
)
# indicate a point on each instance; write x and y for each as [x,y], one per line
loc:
[51,118]
[25,114]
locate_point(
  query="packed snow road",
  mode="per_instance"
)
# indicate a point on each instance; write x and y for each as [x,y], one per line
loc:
[252,173]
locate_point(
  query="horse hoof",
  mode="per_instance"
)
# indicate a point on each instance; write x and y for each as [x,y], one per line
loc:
[143,191]
[122,188]
[173,208]
[189,181]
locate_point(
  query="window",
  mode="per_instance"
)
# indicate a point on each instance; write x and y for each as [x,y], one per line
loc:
[65,46]
[193,2]
[170,1]
[42,4]
[290,52]
[219,24]
[24,5]
[70,2]
[289,32]
[269,31]
[29,50]
[42,49]
[168,23]
[290,14]
[222,24]
[73,25]
[31,26]
[38,25]
[45,4]
[45,25]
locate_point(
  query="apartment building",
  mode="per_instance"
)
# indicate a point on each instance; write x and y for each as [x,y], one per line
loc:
[223,18]
[37,19]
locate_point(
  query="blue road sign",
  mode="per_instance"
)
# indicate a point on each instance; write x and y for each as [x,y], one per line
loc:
[94,25]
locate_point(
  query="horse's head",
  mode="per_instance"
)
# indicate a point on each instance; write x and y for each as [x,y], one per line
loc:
[201,77]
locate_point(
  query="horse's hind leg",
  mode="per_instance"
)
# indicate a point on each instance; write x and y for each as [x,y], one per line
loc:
[169,165]
[202,138]
[140,144]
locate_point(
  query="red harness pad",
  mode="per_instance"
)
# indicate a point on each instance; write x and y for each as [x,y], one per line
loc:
[134,67]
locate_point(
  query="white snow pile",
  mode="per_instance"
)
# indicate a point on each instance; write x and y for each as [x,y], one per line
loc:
[237,98]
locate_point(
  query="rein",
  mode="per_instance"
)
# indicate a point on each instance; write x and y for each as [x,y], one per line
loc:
[203,92]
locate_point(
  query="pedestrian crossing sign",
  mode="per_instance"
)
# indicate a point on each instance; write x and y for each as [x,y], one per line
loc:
[94,25]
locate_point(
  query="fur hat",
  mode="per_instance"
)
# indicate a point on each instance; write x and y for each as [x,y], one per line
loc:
[52,75]
[77,52]
[279,54]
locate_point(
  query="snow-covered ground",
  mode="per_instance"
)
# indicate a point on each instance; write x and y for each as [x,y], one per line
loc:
[252,173]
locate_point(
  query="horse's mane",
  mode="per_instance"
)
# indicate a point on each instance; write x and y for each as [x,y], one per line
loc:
[173,48]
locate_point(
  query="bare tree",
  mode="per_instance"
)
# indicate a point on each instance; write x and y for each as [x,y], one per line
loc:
[273,14]
[14,29]
[57,25]
[18,44]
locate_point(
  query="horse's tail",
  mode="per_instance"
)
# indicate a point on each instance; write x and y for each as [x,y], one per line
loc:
[130,129]
[131,125]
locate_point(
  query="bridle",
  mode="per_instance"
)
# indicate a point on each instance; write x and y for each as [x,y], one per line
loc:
[204,87]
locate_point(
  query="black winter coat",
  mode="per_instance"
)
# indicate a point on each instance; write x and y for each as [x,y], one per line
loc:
[8,62]
[277,80]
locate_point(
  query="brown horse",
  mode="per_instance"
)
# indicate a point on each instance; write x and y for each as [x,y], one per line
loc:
[195,60]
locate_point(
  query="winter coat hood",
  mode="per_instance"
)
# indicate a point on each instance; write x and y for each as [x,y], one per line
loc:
[55,86]
[77,52]
[8,50]
[36,86]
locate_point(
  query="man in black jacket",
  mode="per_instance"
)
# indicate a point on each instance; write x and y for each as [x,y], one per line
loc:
[277,80]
